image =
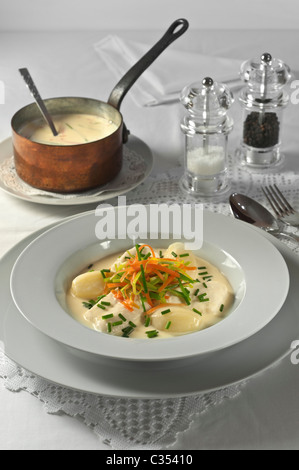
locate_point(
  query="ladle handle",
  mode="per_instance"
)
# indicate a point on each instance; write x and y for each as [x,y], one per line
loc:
[125,83]
[38,99]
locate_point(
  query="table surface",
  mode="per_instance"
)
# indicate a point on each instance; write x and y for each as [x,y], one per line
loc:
[266,413]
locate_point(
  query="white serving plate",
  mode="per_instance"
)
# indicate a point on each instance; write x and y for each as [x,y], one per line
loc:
[50,360]
[254,266]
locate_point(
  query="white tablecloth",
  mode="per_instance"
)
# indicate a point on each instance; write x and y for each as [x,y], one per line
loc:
[266,413]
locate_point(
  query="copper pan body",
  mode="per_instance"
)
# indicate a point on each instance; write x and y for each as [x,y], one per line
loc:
[68,168]
[74,168]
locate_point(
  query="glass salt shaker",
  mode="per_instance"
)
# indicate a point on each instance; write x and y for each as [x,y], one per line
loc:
[263,100]
[206,127]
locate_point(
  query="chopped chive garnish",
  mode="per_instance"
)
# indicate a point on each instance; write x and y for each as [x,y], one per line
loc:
[160,254]
[165,311]
[202,267]
[205,300]
[109,327]
[184,255]
[143,279]
[89,304]
[127,331]
[201,296]
[221,307]
[109,315]
[105,303]
[147,321]
[117,323]
[152,333]
[90,266]
[167,325]
[203,274]
[105,270]
[132,324]
[207,277]
[142,303]
[197,311]
[174,254]
[122,317]
[204,284]
[101,306]
[196,292]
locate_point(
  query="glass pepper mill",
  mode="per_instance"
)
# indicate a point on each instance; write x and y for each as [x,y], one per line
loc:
[206,127]
[263,100]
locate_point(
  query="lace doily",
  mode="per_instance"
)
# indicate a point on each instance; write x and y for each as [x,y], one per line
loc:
[133,170]
[151,424]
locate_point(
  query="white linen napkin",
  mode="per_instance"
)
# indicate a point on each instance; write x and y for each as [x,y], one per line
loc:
[168,74]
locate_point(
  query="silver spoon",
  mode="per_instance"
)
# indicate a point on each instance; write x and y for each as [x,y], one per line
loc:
[248,210]
[38,99]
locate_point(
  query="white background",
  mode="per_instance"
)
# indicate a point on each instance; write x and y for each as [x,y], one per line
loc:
[266,413]
[146,14]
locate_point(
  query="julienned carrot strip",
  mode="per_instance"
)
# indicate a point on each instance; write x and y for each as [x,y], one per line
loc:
[166,283]
[149,300]
[111,285]
[167,270]
[165,305]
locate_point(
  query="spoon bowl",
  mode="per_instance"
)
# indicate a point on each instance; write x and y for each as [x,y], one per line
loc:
[247,209]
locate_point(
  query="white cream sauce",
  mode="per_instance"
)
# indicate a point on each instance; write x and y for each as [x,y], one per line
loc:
[73,129]
[211,285]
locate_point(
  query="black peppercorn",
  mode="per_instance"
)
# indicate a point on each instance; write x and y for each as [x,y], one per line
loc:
[261,130]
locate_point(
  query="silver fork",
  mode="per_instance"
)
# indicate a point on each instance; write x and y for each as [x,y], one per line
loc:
[282,208]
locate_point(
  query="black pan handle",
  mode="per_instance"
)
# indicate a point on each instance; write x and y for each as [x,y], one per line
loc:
[120,90]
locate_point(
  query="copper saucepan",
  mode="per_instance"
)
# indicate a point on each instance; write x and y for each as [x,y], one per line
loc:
[72,168]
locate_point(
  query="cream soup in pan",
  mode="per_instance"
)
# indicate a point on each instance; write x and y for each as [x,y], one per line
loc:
[73,129]
[150,293]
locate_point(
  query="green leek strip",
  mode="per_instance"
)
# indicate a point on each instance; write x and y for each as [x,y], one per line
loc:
[167,325]
[135,282]
[155,295]
[117,323]
[221,307]
[122,317]
[109,327]
[185,293]
[186,278]
[142,270]
[147,321]
[184,255]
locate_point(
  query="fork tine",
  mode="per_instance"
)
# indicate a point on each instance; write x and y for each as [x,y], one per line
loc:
[272,201]
[283,199]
